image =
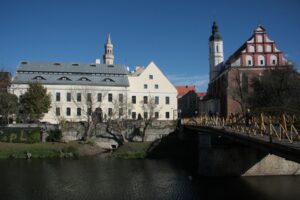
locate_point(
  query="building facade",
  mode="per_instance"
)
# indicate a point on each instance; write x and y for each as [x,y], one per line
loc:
[77,89]
[230,81]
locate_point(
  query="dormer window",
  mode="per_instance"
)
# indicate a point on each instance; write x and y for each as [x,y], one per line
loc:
[24,63]
[75,64]
[108,80]
[110,66]
[84,79]
[64,78]
[38,78]
[93,65]
[57,64]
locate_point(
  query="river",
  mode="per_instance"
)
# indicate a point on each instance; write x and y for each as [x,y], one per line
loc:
[100,178]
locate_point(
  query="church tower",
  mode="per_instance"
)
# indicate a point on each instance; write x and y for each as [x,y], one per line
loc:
[108,57]
[216,55]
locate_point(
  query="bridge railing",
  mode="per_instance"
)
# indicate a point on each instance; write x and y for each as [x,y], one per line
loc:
[282,127]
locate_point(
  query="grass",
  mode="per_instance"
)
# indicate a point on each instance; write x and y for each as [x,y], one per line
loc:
[132,150]
[47,150]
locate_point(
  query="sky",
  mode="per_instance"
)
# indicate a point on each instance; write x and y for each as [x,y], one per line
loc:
[172,33]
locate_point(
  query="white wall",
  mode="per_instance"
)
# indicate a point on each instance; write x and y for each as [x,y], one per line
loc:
[165,88]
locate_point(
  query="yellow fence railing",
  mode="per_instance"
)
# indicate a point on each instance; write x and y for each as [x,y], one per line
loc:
[281,127]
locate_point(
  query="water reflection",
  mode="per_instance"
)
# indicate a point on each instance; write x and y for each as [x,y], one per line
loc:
[99,178]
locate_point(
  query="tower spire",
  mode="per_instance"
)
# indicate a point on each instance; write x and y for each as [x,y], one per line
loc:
[108,41]
[216,55]
[108,57]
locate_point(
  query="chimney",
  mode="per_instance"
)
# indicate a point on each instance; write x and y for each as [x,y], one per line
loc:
[98,61]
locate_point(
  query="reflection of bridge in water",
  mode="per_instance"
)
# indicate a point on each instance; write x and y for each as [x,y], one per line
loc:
[273,140]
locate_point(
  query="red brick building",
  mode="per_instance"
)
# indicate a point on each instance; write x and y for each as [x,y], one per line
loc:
[188,100]
[230,81]
[5,79]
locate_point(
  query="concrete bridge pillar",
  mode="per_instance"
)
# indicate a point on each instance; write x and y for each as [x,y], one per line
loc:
[219,156]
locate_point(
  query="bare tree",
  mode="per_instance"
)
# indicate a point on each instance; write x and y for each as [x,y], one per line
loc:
[150,106]
[117,119]
[88,105]
[239,93]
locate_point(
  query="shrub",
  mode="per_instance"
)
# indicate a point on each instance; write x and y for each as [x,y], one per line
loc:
[33,137]
[54,135]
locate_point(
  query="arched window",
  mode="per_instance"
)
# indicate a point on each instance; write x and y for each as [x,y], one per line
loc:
[259,38]
[84,79]
[251,48]
[268,48]
[249,60]
[38,78]
[259,48]
[64,78]
[108,80]
[217,47]
[273,60]
[261,60]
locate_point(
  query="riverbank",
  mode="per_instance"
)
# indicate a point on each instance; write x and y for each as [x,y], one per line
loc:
[131,150]
[48,150]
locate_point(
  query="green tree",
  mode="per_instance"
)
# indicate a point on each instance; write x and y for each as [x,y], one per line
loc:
[278,88]
[8,105]
[35,102]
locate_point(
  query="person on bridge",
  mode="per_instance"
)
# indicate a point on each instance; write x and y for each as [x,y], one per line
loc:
[248,117]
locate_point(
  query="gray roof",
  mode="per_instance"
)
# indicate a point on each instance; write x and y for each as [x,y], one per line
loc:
[71,74]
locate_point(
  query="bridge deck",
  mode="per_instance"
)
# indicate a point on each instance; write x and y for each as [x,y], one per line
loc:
[271,144]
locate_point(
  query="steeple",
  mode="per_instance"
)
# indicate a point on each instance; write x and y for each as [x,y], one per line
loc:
[216,55]
[108,41]
[215,35]
[108,57]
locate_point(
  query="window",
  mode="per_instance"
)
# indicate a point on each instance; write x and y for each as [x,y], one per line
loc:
[64,78]
[261,62]
[259,48]
[57,96]
[133,115]
[99,97]
[145,115]
[110,97]
[145,99]
[57,111]
[79,97]
[156,86]
[121,98]
[108,80]
[89,111]
[273,62]
[167,115]
[217,48]
[78,111]
[249,62]
[68,97]
[133,99]
[145,86]
[38,78]
[110,112]
[261,59]
[68,111]
[89,97]
[151,76]
[156,115]
[167,100]
[84,79]
[156,99]
[120,112]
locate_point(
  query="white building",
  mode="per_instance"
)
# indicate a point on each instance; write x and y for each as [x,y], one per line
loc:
[78,89]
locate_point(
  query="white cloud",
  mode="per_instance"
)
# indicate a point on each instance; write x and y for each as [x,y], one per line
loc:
[200,81]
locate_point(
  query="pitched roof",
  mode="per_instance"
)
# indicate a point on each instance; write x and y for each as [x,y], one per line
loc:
[71,74]
[201,94]
[182,90]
